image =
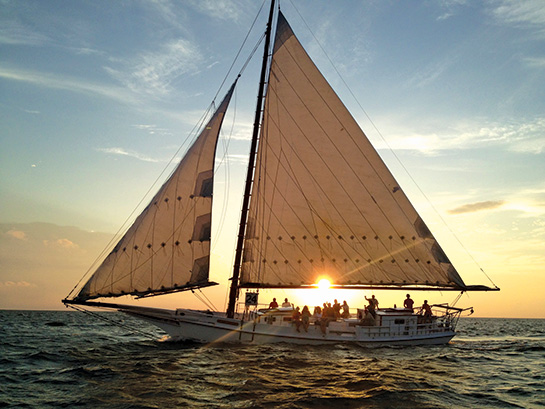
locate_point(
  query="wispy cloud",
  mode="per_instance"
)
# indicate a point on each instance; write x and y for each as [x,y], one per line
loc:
[154,72]
[60,244]
[476,207]
[13,33]
[16,284]
[527,13]
[130,154]
[535,62]
[152,129]
[524,136]
[430,73]
[220,9]
[17,234]
[240,159]
[449,8]
[68,84]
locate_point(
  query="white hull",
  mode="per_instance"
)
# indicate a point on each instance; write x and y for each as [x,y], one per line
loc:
[209,327]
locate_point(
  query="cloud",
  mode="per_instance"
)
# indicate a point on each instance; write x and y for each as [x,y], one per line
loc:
[154,72]
[13,33]
[223,10]
[477,207]
[131,154]
[520,135]
[534,62]
[240,159]
[67,84]
[528,208]
[429,74]
[153,129]
[60,243]
[449,8]
[527,13]
[17,234]
[16,284]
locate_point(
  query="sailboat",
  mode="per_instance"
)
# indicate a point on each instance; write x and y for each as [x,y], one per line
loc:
[318,201]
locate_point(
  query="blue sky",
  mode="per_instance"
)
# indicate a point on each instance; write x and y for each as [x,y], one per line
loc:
[96,97]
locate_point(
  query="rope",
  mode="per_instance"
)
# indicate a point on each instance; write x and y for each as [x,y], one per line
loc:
[113,322]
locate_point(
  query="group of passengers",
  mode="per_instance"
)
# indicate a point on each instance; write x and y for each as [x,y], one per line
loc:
[323,316]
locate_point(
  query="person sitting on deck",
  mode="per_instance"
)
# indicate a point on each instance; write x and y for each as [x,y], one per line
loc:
[368,319]
[346,310]
[317,312]
[337,309]
[426,310]
[373,305]
[296,319]
[408,303]
[328,315]
[273,304]
[286,303]
[305,318]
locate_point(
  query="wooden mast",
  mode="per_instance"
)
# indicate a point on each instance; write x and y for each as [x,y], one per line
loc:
[233,292]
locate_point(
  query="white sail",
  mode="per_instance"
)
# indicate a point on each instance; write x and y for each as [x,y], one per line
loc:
[323,203]
[168,246]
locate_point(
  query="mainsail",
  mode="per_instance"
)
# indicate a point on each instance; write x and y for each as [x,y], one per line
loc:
[167,248]
[323,202]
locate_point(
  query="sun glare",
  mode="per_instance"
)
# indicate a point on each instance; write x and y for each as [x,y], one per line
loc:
[324,284]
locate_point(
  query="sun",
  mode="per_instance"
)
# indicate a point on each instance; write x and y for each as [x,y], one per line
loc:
[324,284]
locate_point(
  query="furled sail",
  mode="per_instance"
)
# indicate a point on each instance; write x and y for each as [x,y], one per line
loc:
[323,202]
[168,247]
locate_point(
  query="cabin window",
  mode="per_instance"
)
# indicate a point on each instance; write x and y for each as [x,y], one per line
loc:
[399,321]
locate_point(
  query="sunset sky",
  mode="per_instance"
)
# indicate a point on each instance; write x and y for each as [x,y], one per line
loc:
[96,98]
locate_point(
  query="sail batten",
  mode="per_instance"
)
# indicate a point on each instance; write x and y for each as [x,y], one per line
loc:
[167,249]
[323,201]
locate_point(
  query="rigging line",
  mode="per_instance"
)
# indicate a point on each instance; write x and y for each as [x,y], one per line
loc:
[457,298]
[391,149]
[227,178]
[256,47]
[240,50]
[209,306]
[113,322]
[209,303]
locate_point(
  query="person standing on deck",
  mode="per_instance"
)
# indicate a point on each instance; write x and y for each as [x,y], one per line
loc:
[408,303]
[273,304]
[373,305]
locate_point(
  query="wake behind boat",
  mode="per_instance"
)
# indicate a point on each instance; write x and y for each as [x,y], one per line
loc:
[318,202]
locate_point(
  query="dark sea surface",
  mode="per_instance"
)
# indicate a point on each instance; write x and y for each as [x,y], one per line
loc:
[68,359]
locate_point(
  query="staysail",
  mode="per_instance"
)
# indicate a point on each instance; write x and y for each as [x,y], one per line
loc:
[167,248]
[323,202]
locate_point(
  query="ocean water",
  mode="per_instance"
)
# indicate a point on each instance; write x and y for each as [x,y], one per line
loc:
[66,359]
